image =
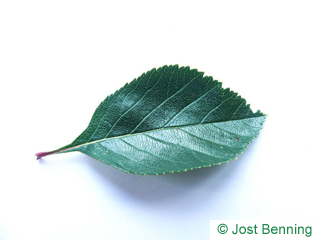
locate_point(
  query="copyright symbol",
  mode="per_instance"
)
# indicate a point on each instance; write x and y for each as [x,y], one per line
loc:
[222,228]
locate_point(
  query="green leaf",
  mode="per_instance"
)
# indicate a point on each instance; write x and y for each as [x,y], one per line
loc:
[170,119]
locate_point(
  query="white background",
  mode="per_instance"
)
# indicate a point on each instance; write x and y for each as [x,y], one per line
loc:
[60,59]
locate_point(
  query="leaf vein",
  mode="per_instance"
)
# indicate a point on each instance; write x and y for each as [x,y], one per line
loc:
[147,152]
[164,102]
[237,110]
[135,104]
[233,133]
[215,108]
[218,144]
[188,106]
[178,145]
[106,111]
[130,158]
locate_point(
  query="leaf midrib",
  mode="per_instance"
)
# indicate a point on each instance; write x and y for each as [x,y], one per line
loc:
[150,131]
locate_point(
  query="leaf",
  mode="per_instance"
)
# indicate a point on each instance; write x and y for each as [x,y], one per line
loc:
[170,119]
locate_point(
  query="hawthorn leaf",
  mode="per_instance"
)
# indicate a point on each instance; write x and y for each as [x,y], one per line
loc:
[168,120]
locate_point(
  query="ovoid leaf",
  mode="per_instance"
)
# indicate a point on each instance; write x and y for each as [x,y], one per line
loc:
[168,120]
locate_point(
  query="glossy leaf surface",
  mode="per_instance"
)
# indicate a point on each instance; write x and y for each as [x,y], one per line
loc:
[168,120]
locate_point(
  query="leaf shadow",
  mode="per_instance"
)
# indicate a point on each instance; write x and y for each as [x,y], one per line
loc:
[151,189]
[186,193]
[206,191]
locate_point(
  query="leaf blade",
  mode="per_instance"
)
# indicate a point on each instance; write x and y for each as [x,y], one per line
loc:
[166,100]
